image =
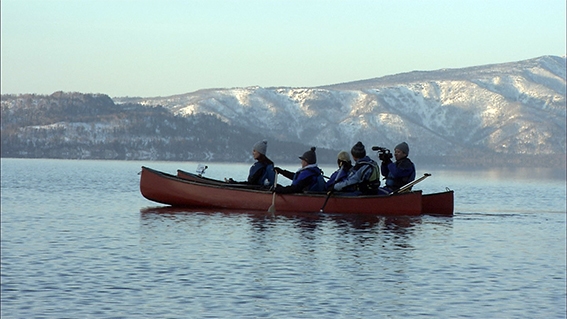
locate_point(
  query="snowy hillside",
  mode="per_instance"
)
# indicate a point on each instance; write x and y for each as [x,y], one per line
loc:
[502,114]
[511,108]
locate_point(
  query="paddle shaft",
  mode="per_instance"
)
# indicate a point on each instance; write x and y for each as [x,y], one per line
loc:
[272,208]
[409,185]
[326,200]
[331,191]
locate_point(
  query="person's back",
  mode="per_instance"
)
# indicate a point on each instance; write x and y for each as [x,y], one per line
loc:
[368,175]
[308,178]
[364,177]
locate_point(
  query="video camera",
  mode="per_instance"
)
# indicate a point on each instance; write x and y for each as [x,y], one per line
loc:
[383,153]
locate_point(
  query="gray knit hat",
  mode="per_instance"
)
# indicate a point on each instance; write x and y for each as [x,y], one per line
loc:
[261,147]
[309,156]
[358,150]
[403,146]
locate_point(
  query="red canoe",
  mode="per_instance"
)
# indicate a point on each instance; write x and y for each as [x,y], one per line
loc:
[438,203]
[202,192]
[431,204]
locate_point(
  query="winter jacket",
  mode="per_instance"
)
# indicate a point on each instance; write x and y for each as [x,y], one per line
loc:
[364,177]
[398,174]
[338,176]
[308,178]
[262,173]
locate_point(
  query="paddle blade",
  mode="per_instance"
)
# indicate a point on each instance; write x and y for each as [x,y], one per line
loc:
[272,209]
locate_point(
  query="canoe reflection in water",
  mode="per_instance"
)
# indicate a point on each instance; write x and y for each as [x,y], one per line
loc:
[307,222]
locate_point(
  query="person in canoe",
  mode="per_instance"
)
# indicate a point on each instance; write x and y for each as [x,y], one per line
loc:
[262,171]
[399,173]
[344,163]
[364,177]
[308,178]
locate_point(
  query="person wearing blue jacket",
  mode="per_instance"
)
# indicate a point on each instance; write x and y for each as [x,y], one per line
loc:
[262,171]
[364,177]
[399,173]
[308,178]
[344,163]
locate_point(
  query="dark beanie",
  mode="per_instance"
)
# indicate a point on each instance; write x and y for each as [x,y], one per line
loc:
[403,146]
[309,156]
[358,150]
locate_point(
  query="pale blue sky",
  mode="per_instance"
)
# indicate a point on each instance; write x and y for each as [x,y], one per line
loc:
[165,47]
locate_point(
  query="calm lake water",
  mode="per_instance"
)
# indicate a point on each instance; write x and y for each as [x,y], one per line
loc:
[79,241]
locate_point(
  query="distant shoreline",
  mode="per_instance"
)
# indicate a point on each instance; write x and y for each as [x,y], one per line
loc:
[552,161]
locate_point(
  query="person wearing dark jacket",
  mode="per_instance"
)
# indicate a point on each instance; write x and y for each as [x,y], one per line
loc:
[262,171]
[345,165]
[364,177]
[399,173]
[308,178]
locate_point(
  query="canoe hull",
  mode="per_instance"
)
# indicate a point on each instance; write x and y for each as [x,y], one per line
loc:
[173,190]
[431,204]
[438,203]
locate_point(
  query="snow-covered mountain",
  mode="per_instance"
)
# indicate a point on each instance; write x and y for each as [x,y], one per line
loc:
[510,108]
[512,113]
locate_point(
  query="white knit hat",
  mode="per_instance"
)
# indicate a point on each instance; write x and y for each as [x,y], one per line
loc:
[261,147]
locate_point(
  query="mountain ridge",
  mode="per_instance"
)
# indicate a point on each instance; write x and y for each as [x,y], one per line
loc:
[497,112]
[499,105]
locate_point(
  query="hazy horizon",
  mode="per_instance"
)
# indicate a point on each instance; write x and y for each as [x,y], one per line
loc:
[155,48]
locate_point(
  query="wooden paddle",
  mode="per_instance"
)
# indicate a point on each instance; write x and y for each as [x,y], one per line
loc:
[272,208]
[407,186]
[326,200]
[331,191]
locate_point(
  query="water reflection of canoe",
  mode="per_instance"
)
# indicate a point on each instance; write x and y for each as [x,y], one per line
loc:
[199,192]
[431,204]
[398,224]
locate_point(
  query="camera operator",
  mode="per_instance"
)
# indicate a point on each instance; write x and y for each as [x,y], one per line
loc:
[399,173]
